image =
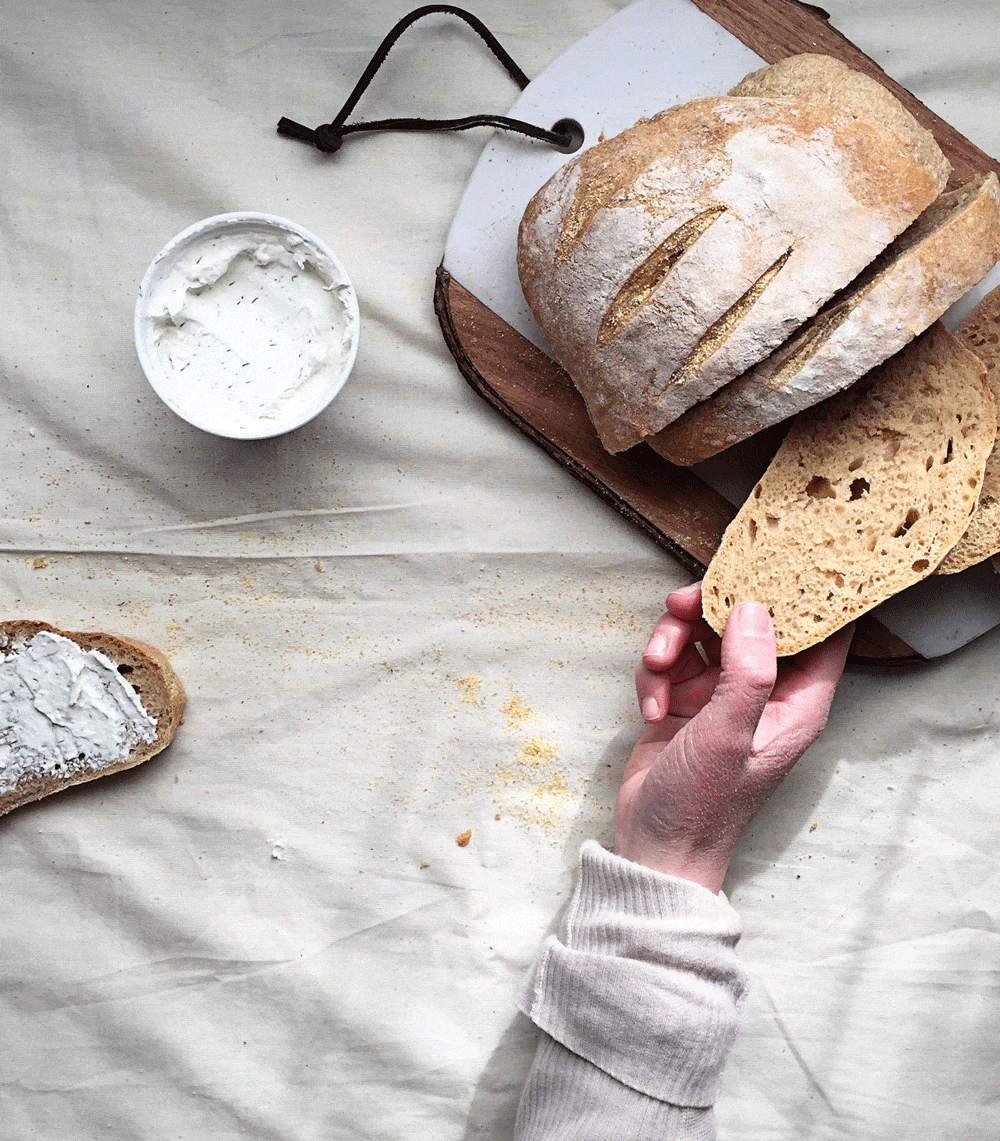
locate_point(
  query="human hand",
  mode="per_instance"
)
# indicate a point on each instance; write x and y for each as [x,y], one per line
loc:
[720,735]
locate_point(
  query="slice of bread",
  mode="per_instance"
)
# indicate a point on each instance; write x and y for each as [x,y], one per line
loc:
[77,706]
[663,262]
[950,247]
[865,496]
[980,332]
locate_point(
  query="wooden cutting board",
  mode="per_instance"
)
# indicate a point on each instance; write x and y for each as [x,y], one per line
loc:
[651,55]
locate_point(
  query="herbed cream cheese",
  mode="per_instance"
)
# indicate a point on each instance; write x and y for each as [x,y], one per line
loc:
[251,329]
[63,710]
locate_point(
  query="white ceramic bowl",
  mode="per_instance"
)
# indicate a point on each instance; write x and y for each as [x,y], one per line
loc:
[246,325]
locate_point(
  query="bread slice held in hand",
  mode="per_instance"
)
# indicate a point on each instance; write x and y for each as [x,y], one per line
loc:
[77,706]
[663,262]
[946,251]
[980,332]
[865,496]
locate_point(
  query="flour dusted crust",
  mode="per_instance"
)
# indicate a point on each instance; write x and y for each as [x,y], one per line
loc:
[865,496]
[947,250]
[980,333]
[667,260]
[814,78]
[146,669]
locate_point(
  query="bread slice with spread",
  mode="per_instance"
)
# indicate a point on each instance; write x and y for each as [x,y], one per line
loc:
[78,706]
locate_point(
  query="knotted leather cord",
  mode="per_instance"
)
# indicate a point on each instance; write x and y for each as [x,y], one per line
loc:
[566,135]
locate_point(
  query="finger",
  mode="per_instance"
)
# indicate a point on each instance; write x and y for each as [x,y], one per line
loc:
[656,689]
[652,691]
[685,603]
[749,668]
[667,641]
[670,635]
[803,693]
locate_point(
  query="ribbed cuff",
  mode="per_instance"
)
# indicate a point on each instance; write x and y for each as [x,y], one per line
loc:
[643,980]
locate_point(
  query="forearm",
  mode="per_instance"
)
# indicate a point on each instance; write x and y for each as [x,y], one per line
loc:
[638,999]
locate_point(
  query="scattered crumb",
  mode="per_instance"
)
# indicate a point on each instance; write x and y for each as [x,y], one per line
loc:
[318,566]
[463,838]
[813,826]
[516,712]
[425,863]
[39,564]
[470,687]
[537,752]
[497,817]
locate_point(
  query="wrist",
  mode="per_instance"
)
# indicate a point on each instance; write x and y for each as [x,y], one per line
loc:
[706,867]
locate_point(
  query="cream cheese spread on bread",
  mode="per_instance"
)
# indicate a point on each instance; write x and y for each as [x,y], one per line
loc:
[64,709]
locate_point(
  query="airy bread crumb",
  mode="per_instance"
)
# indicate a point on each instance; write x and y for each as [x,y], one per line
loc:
[866,495]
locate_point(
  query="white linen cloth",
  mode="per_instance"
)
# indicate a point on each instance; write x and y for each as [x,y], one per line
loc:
[398,623]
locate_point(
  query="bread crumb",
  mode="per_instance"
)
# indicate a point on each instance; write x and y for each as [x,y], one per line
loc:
[39,564]
[470,687]
[318,566]
[425,863]
[463,838]
[517,713]
[497,817]
[813,826]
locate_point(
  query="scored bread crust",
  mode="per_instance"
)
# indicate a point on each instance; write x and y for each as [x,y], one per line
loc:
[947,250]
[145,668]
[980,333]
[663,262]
[864,497]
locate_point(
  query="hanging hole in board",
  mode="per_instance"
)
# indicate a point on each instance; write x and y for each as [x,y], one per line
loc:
[574,135]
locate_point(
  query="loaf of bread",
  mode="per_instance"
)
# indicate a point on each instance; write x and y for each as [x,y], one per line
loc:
[77,706]
[947,250]
[980,332]
[663,262]
[865,496]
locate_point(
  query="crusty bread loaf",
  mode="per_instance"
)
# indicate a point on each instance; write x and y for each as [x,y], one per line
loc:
[812,78]
[663,262]
[865,496]
[77,706]
[980,332]
[947,250]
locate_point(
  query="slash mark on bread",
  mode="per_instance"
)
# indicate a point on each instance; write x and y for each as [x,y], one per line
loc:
[806,342]
[644,281]
[716,335]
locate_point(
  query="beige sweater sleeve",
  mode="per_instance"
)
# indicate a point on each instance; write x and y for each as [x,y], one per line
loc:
[638,998]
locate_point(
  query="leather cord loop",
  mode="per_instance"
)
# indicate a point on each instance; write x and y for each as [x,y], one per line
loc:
[566,135]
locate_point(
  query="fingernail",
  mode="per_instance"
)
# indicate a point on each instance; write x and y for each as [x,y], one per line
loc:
[752,618]
[657,646]
[686,589]
[650,709]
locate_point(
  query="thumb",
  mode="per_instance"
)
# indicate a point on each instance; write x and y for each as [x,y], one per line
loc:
[749,669]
